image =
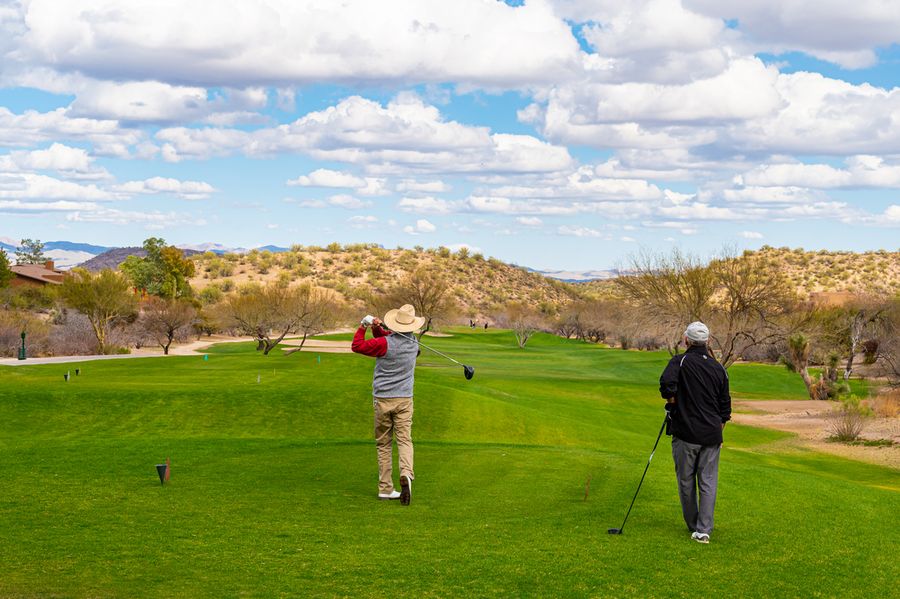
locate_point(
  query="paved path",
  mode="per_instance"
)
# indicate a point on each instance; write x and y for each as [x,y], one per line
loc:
[186,349]
[189,349]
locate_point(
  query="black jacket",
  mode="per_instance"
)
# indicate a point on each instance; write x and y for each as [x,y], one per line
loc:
[699,385]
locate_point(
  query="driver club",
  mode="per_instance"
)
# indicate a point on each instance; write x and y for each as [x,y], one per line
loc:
[618,531]
[468,371]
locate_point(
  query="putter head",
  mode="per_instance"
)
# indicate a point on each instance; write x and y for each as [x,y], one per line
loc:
[614,531]
[469,372]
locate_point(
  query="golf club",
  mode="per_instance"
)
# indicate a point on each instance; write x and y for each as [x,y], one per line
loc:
[468,371]
[618,531]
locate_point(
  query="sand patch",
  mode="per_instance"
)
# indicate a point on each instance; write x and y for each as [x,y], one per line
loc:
[811,420]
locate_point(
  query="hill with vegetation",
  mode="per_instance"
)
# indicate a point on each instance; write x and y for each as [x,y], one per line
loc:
[478,286]
[813,274]
[823,271]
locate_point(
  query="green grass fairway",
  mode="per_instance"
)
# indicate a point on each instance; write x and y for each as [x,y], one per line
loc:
[273,483]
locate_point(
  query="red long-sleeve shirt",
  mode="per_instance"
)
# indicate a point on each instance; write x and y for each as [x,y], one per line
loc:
[375,347]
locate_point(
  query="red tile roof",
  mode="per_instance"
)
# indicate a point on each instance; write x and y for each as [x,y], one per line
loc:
[38,272]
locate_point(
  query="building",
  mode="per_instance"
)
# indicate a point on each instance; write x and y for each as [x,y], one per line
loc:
[36,275]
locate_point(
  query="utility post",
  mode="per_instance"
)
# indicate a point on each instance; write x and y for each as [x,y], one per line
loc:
[22,349]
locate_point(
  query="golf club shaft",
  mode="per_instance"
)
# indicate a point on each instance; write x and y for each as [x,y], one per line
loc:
[434,350]
[647,467]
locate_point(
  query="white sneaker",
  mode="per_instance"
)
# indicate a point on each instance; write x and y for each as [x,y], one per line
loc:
[700,537]
[405,490]
[387,496]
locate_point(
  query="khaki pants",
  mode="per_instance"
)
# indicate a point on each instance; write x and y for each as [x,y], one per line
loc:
[393,418]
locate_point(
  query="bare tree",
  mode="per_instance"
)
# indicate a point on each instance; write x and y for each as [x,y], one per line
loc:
[267,313]
[105,298]
[673,290]
[427,290]
[165,319]
[524,320]
[744,301]
[318,310]
[888,353]
[753,305]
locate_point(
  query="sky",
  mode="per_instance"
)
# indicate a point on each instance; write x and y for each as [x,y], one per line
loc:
[555,134]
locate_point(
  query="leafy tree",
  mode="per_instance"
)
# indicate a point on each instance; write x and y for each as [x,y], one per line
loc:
[164,319]
[6,274]
[163,272]
[30,251]
[105,298]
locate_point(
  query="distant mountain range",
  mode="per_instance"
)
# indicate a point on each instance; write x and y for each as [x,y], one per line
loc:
[67,254]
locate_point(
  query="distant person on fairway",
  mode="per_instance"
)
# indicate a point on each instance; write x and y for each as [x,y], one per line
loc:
[395,351]
[696,389]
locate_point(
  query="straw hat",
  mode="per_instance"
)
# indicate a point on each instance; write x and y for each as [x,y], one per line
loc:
[404,319]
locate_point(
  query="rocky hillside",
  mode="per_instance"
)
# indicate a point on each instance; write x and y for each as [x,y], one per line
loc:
[479,285]
[822,275]
[836,272]
[116,256]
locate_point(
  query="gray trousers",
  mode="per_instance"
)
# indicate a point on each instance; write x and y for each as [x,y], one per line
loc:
[696,467]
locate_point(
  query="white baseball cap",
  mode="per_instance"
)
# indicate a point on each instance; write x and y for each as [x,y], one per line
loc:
[697,331]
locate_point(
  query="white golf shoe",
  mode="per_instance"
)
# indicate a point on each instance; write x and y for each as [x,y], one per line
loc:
[700,537]
[388,496]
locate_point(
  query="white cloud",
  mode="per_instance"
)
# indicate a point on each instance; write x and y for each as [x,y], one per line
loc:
[892,213]
[412,185]
[751,235]
[405,136]
[30,186]
[18,206]
[68,162]
[577,231]
[845,33]
[348,202]
[426,205]
[861,171]
[32,127]
[529,221]
[324,177]
[150,220]
[280,42]
[188,190]
[421,226]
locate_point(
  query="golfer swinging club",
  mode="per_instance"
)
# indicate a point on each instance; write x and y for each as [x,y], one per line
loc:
[392,390]
[696,388]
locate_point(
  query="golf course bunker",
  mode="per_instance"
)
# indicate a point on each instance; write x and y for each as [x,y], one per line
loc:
[811,421]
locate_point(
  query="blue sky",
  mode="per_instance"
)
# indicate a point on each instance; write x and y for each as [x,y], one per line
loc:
[557,134]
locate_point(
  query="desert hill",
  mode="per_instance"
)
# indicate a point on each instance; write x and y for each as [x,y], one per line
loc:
[834,272]
[479,286]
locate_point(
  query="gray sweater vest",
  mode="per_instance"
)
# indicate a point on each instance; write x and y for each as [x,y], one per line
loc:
[395,371]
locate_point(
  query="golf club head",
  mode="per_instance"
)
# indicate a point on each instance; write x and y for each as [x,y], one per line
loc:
[614,531]
[469,372]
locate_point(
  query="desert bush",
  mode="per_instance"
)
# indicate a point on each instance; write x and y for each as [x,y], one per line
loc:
[848,421]
[211,294]
[12,323]
[886,405]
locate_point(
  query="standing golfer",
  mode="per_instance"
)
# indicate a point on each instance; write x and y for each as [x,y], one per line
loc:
[696,387]
[392,389]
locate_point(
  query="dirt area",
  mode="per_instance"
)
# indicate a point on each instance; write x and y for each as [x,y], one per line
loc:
[811,421]
[318,345]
